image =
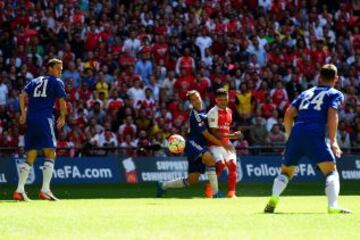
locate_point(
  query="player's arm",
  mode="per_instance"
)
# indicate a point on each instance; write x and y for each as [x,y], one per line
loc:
[213,126]
[289,118]
[333,121]
[63,111]
[61,95]
[210,137]
[22,100]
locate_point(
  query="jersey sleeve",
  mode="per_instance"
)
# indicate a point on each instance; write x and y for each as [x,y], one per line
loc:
[198,123]
[336,100]
[296,102]
[28,88]
[213,118]
[60,89]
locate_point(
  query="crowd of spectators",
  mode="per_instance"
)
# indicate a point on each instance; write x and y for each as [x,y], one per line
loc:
[128,65]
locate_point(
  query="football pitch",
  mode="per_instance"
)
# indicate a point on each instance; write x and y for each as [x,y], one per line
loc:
[131,212]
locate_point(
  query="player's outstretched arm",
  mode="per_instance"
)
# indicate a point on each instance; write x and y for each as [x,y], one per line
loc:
[22,100]
[215,140]
[333,121]
[290,115]
[63,111]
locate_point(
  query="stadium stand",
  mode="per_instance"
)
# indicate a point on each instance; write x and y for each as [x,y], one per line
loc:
[128,65]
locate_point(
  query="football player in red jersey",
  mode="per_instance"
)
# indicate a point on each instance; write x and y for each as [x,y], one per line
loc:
[220,120]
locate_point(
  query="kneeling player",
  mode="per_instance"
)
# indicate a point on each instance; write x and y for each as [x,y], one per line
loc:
[314,109]
[198,155]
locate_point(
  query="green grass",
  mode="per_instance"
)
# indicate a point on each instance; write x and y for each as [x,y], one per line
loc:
[131,212]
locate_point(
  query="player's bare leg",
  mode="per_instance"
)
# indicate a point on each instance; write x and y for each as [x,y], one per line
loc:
[279,185]
[25,168]
[48,168]
[231,165]
[332,187]
[192,179]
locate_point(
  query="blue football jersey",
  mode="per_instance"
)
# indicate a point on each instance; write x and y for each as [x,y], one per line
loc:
[42,92]
[198,124]
[313,104]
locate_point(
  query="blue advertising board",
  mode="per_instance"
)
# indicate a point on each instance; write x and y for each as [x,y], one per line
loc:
[250,169]
[103,170]
[349,167]
[8,172]
[266,168]
[67,170]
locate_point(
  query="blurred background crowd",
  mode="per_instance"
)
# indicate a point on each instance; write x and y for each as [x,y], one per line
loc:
[128,65]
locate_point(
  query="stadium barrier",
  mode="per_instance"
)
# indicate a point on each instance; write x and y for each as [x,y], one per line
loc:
[156,151]
[116,169]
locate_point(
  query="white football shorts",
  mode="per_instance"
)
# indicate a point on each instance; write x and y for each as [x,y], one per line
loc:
[220,154]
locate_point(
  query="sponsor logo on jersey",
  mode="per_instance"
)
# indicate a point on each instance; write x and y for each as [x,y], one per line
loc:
[195,145]
[197,116]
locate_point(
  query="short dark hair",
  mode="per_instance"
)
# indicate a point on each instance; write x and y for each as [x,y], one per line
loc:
[328,72]
[221,92]
[52,62]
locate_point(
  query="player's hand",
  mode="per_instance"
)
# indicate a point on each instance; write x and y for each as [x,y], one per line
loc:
[60,122]
[238,135]
[22,119]
[336,149]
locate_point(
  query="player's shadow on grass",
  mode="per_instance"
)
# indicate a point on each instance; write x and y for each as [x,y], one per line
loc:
[111,191]
[10,201]
[294,189]
[294,213]
[148,190]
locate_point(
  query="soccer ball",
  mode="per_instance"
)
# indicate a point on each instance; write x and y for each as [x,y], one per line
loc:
[176,144]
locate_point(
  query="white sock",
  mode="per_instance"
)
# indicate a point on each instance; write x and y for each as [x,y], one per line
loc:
[211,173]
[23,175]
[280,183]
[332,188]
[178,183]
[47,174]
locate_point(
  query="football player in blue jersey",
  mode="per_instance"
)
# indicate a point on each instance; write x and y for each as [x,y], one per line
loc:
[198,155]
[313,113]
[41,93]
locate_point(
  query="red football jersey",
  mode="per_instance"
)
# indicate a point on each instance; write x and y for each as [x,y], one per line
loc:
[221,120]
